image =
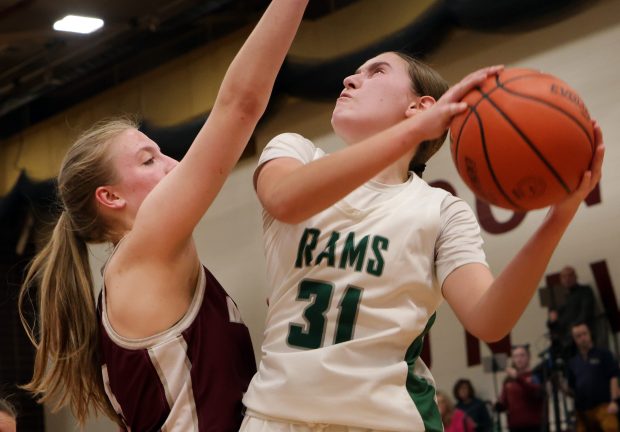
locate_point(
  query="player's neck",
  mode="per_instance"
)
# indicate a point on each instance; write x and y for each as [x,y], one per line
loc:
[397,173]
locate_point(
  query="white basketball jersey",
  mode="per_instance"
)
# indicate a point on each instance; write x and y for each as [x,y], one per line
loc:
[355,289]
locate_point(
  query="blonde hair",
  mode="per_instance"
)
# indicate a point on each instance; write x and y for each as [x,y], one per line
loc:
[447,415]
[425,81]
[67,367]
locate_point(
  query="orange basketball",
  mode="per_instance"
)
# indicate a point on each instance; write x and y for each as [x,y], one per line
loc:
[525,140]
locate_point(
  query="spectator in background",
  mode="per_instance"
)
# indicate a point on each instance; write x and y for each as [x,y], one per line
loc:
[522,395]
[8,416]
[579,307]
[474,407]
[453,419]
[593,382]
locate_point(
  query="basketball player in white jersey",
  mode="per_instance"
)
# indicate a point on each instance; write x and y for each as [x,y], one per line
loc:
[361,251]
[166,348]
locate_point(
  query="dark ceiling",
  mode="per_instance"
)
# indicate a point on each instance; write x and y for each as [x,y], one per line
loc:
[43,71]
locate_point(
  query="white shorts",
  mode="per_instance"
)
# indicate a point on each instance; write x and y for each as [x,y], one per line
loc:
[254,422]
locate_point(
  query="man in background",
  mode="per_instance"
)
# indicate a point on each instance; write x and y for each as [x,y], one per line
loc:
[579,307]
[593,382]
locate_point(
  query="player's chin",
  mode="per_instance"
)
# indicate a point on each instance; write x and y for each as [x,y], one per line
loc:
[342,122]
[337,118]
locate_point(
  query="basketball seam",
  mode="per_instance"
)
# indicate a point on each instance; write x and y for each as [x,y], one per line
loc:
[549,104]
[479,89]
[483,141]
[472,110]
[487,95]
[458,136]
[518,77]
[471,107]
[527,140]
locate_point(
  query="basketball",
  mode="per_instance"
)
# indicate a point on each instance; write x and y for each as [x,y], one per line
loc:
[524,141]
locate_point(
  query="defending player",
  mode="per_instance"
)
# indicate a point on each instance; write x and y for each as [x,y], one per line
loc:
[166,350]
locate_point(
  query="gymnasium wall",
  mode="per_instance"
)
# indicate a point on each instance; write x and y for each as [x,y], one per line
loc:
[580,49]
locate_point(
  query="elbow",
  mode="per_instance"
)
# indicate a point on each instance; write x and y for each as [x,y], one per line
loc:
[247,103]
[285,211]
[252,107]
[486,326]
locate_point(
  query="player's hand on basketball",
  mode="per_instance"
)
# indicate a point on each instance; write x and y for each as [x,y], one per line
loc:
[474,79]
[596,167]
[591,177]
[437,119]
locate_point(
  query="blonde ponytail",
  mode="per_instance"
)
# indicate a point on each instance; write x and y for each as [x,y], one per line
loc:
[67,369]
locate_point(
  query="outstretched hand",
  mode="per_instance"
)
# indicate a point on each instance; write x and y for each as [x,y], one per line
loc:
[437,119]
[590,178]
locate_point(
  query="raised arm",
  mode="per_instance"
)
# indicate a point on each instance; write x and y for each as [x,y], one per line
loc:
[489,308]
[292,192]
[184,195]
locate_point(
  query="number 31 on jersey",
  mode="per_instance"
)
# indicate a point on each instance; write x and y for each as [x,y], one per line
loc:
[319,293]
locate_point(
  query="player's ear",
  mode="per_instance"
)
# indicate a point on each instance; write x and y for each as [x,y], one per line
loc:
[106,197]
[420,103]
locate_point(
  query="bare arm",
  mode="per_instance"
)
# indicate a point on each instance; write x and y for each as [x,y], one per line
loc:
[184,195]
[158,259]
[292,192]
[488,307]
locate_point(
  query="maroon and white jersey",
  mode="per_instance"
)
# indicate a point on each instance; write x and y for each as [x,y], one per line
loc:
[190,377]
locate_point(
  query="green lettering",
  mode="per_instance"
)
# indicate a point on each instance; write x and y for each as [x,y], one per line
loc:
[306,245]
[330,250]
[349,306]
[353,254]
[311,335]
[375,266]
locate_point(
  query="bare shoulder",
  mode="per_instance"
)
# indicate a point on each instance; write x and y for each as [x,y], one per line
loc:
[145,295]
